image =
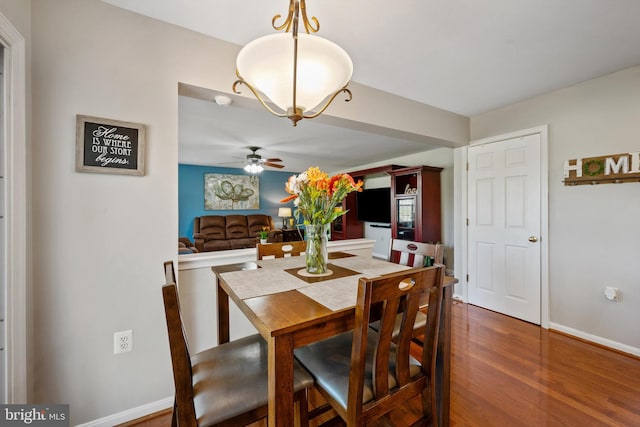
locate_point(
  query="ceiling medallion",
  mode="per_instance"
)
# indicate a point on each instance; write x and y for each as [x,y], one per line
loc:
[300,73]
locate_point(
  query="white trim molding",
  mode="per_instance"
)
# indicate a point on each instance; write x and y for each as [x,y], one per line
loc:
[16,212]
[460,209]
[635,351]
[459,224]
[131,414]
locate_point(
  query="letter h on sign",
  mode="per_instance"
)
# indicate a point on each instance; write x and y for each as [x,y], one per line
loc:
[569,167]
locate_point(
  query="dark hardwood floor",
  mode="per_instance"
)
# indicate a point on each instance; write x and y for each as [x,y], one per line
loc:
[506,372]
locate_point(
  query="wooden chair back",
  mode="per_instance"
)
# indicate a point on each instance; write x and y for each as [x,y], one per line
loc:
[169,272]
[280,249]
[180,357]
[413,253]
[385,297]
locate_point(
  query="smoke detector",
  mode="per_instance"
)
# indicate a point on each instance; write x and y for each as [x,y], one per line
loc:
[222,100]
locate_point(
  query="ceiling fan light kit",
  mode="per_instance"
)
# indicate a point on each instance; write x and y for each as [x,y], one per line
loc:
[253,168]
[254,163]
[300,73]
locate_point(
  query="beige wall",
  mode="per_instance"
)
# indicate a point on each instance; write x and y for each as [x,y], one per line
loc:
[18,12]
[594,238]
[100,240]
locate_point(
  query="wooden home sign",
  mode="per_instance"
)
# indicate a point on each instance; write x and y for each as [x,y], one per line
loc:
[610,169]
[109,146]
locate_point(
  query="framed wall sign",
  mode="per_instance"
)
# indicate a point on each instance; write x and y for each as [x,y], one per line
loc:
[109,146]
[608,169]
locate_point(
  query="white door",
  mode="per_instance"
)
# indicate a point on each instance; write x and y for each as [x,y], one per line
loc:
[504,226]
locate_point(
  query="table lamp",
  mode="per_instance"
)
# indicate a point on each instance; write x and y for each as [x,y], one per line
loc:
[284,213]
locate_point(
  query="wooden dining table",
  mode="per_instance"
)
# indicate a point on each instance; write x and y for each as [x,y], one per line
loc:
[291,309]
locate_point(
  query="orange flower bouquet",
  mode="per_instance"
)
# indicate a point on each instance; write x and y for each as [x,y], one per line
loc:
[316,197]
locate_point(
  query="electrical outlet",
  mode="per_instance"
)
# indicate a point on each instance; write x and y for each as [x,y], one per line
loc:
[123,341]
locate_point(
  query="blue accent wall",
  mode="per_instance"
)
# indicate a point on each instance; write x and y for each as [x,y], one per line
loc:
[191,195]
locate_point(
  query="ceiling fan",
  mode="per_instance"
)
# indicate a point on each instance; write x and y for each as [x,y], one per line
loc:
[254,163]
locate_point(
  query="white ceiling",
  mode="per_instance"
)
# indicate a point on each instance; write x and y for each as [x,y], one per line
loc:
[465,56]
[211,134]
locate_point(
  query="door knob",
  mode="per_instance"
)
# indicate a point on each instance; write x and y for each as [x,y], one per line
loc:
[533,239]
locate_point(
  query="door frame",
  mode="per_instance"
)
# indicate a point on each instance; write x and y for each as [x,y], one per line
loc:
[16,196]
[460,215]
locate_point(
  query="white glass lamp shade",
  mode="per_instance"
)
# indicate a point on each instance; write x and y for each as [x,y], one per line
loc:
[267,64]
[253,168]
[284,212]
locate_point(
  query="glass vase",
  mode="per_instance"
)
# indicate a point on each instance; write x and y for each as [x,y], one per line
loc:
[316,253]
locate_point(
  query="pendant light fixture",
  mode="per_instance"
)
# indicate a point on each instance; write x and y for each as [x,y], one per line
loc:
[300,73]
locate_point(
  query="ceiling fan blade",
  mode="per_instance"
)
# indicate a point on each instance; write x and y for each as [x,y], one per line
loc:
[273,160]
[230,163]
[273,165]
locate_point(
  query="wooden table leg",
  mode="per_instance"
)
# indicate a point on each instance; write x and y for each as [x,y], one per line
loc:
[281,382]
[223,316]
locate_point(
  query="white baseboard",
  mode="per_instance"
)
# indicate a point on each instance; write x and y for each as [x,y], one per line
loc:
[131,414]
[585,336]
[596,339]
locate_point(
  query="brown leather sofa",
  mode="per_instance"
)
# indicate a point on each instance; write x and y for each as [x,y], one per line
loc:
[185,246]
[223,232]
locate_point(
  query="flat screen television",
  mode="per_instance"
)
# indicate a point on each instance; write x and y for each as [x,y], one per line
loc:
[374,205]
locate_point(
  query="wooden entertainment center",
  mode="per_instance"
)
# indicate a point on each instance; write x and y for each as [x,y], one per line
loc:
[415,205]
[416,213]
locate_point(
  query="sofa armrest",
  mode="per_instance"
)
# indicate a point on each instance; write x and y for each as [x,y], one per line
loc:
[199,241]
[275,235]
[185,241]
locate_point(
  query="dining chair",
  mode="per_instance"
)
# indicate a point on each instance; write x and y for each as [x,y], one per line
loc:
[364,374]
[280,249]
[413,253]
[225,385]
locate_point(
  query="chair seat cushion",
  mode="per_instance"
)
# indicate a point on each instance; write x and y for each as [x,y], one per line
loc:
[329,362]
[231,379]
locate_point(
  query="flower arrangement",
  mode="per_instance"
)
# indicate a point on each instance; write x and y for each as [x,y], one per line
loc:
[316,196]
